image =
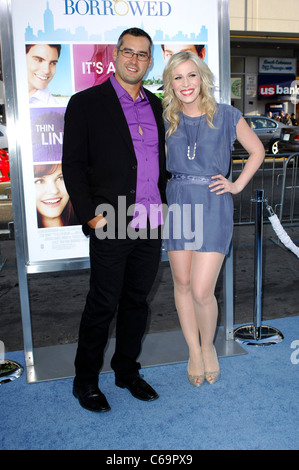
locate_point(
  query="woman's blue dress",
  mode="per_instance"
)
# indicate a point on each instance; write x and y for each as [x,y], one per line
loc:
[197,218]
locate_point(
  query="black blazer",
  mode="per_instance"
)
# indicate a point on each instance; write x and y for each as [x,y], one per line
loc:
[99,162]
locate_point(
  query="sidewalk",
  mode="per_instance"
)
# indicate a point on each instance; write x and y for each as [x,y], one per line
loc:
[57,299]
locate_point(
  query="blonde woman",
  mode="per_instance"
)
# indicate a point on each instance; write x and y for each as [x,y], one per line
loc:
[198,230]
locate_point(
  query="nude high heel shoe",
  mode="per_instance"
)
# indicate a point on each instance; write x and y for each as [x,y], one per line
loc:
[196,380]
[212,377]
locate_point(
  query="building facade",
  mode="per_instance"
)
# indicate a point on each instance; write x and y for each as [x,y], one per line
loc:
[265,56]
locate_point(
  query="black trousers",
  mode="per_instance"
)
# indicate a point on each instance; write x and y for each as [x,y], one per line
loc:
[122,273]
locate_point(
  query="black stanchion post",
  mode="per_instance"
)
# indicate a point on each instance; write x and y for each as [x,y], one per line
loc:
[258,334]
[258,246]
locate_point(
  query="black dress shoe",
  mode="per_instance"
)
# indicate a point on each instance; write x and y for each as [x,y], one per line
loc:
[138,387]
[90,397]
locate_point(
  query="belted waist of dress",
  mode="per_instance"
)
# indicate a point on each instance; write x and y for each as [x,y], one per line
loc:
[199,179]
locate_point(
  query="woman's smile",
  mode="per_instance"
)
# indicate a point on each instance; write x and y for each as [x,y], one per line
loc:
[52,202]
[187,92]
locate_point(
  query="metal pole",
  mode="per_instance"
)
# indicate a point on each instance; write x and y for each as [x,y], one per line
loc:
[258,262]
[258,334]
[225,95]
[6,35]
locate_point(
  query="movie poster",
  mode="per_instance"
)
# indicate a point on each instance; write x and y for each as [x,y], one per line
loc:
[62,47]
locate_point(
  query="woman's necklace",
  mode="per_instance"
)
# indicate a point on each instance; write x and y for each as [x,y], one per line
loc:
[195,144]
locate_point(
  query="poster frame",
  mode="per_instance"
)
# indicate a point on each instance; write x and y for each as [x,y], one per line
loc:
[13,122]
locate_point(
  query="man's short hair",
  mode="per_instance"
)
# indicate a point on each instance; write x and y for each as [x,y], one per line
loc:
[137,32]
[56,46]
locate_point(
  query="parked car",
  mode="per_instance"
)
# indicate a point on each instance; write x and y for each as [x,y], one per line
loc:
[4,166]
[3,138]
[289,139]
[267,129]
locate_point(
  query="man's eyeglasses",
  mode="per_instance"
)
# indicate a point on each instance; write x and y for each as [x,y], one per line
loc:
[128,54]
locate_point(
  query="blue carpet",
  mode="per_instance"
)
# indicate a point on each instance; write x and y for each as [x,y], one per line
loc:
[254,406]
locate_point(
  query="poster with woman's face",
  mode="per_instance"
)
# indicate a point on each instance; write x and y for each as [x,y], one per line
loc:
[53,204]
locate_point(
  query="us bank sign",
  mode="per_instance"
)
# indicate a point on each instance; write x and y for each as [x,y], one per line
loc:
[116,7]
[276,90]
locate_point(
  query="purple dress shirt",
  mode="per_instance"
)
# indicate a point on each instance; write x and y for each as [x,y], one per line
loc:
[143,129]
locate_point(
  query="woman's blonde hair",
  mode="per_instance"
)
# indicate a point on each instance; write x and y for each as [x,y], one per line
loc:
[172,105]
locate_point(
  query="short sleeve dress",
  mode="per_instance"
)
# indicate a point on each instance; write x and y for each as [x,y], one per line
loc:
[198,219]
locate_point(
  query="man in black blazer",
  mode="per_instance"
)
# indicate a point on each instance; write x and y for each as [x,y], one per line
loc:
[114,170]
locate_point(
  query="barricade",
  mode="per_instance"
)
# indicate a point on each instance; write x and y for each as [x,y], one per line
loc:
[278,177]
[290,183]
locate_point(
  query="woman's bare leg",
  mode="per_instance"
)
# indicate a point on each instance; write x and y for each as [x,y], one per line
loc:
[205,270]
[181,262]
[195,275]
